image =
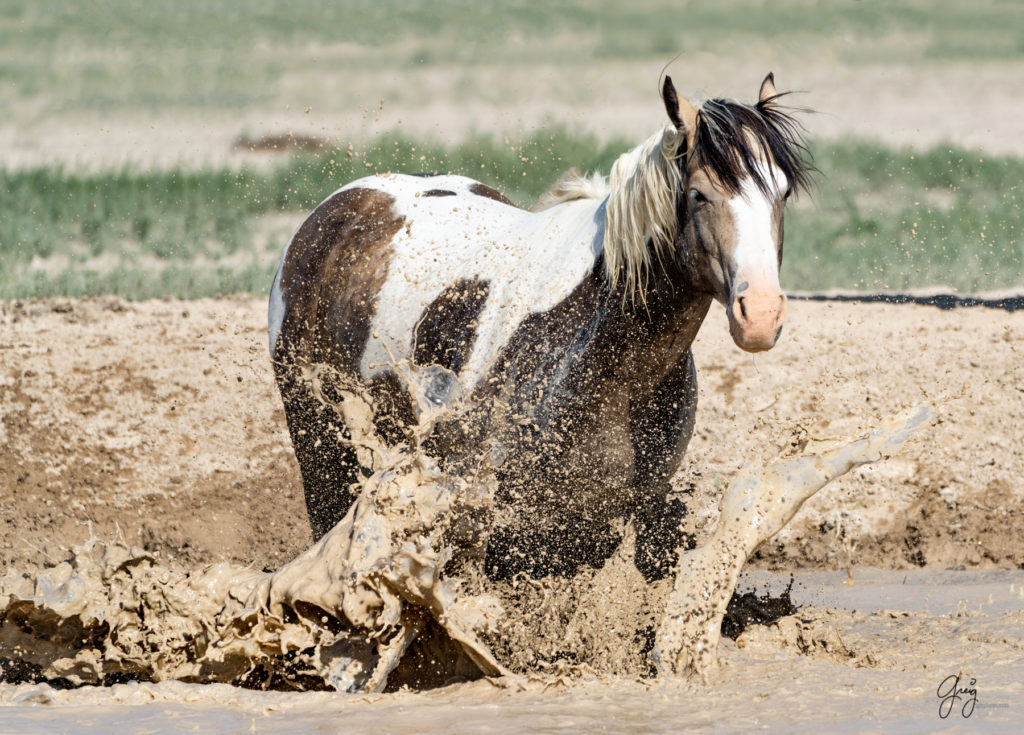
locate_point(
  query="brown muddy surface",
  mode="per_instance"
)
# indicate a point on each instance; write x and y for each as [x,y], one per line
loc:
[157,425]
[866,657]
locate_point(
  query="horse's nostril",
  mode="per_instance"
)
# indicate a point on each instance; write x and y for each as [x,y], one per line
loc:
[743,308]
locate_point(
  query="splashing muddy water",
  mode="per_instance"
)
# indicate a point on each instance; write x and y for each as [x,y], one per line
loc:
[392,593]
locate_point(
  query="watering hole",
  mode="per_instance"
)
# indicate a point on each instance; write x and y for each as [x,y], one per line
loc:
[173,464]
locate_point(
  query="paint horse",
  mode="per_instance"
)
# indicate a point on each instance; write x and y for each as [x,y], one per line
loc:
[576,320]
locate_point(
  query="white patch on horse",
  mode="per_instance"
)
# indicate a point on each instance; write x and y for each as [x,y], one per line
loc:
[756,257]
[473,237]
[275,308]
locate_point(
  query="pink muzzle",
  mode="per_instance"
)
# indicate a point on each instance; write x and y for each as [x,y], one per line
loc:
[755,318]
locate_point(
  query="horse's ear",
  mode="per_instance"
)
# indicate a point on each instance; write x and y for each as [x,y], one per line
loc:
[682,114]
[767,93]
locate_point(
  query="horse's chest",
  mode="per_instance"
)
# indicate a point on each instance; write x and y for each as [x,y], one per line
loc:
[566,449]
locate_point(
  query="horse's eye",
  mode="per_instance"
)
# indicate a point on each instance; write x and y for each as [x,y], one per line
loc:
[697,196]
[788,194]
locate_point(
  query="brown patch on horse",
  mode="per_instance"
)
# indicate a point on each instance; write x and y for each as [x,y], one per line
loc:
[336,265]
[778,222]
[485,191]
[438,193]
[715,226]
[392,407]
[446,331]
[607,405]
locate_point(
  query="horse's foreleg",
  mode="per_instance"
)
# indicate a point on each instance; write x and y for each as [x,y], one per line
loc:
[661,428]
[756,506]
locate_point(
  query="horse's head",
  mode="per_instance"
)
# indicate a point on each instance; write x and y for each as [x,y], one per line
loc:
[741,164]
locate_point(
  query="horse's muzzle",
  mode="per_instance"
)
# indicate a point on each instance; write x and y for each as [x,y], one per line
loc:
[755,319]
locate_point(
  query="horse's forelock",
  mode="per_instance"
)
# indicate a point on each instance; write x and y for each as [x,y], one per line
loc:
[733,138]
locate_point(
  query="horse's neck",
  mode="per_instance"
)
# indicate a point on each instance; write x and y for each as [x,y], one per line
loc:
[637,343]
[666,325]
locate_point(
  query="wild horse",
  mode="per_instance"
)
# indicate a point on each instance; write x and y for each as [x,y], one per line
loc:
[567,329]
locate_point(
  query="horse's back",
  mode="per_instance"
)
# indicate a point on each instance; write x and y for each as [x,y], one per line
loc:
[326,290]
[384,254]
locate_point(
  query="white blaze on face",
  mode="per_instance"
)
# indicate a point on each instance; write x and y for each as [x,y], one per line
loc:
[756,255]
[756,305]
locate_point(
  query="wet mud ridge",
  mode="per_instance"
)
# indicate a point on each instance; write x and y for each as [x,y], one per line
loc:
[108,616]
[944,301]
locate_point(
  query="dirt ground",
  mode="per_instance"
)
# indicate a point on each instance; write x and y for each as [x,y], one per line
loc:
[159,424]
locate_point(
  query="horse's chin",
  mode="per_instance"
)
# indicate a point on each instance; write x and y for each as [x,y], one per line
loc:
[754,340]
[754,348]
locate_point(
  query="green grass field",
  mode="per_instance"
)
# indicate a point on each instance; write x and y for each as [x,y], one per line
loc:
[879,218]
[125,55]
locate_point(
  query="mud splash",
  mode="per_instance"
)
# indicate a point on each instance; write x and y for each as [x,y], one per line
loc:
[392,593]
[342,614]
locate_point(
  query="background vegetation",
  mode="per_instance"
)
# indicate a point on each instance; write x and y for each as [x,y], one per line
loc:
[882,217]
[879,218]
[225,53]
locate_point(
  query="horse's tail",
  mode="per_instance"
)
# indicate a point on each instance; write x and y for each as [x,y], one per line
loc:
[570,186]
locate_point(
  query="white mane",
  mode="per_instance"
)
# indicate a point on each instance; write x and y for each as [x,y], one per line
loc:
[641,191]
[644,184]
[571,186]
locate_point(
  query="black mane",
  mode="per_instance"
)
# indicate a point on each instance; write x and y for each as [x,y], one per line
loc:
[732,137]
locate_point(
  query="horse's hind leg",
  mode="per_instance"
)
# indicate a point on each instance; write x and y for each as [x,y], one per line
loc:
[329,465]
